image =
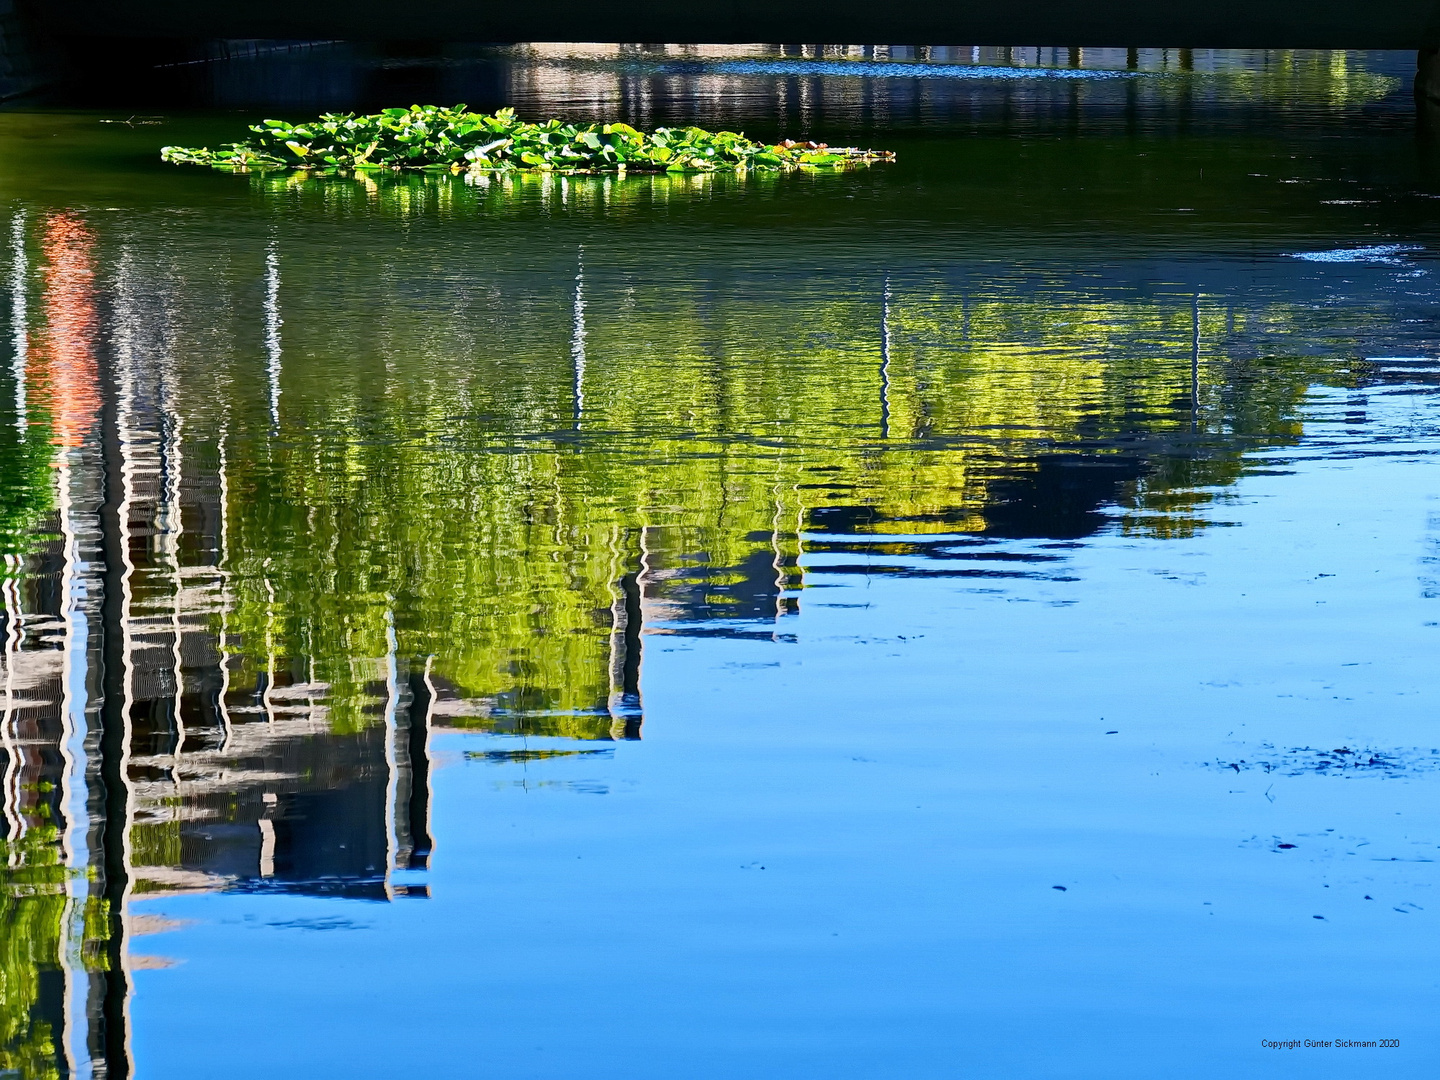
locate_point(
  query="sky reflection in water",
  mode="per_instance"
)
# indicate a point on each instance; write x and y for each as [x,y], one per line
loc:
[965,617]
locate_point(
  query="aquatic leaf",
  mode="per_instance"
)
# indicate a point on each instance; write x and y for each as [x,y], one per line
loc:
[437,139]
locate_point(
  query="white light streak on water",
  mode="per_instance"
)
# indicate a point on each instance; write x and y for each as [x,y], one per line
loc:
[392,738]
[75,788]
[885,360]
[1377,253]
[273,322]
[577,338]
[19,328]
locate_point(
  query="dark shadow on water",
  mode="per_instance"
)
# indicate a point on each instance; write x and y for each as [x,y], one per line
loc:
[768,89]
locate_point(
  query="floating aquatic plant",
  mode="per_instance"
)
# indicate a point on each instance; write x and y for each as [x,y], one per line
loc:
[454,140]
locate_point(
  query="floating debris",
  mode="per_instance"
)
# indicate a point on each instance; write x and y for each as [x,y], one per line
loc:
[1341,760]
[441,139]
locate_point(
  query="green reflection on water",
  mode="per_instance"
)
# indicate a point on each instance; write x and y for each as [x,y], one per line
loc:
[27,488]
[47,924]
[486,466]
[468,439]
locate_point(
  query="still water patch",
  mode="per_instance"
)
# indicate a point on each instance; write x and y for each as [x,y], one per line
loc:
[997,612]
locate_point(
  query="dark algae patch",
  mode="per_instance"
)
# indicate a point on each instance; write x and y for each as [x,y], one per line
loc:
[455,140]
[1305,760]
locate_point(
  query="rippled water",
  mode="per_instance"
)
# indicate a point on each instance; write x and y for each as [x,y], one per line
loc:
[970,617]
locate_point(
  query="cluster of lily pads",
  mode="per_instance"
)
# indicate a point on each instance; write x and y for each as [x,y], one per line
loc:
[455,140]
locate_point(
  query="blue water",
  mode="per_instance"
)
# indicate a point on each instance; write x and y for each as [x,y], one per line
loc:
[839,856]
[972,617]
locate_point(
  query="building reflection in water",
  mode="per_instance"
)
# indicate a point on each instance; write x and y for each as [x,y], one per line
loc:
[134,762]
[795,89]
[265,535]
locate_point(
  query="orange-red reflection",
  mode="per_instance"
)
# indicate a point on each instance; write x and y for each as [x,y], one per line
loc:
[62,365]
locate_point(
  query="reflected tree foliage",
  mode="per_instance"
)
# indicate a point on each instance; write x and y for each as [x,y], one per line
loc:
[296,484]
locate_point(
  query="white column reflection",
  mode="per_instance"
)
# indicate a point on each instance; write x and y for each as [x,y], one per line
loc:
[169,528]
[128,435]
[392,750]
[885,360]
[273,322]
[222,567]
[577,338]
[19,315]
[9,719]
[74,783]
[429,787]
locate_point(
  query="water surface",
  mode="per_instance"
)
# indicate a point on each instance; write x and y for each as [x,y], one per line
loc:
[970,617]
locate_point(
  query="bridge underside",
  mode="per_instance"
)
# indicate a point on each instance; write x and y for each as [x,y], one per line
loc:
[1247,24]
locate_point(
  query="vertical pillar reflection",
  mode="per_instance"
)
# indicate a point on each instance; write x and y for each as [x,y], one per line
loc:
[63,355]
[393,829]
[63,378]
[1195,361]
[9,740]
[222,568]
[577,339]
[885,359]
[627,620]
[75,782]
[273,323]
[61,373]
[422,700]
[116,471]
[19,314]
